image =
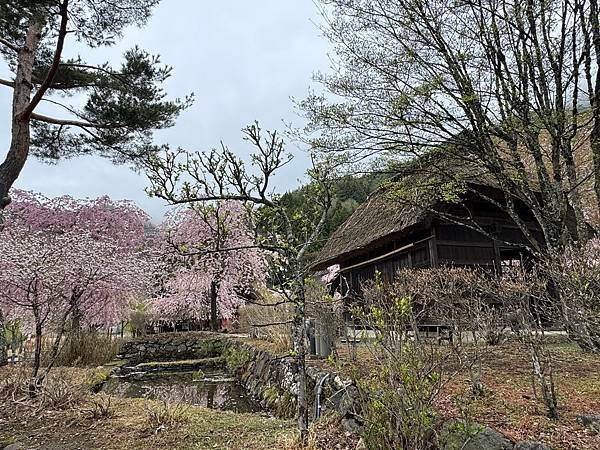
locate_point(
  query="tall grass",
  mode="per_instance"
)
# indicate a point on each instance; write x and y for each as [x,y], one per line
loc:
[269,319]
[85,349]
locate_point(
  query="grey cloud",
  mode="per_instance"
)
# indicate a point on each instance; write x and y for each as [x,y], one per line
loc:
[243,60]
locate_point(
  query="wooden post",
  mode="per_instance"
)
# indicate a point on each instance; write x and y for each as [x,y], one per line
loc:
[433,256]
[497,258]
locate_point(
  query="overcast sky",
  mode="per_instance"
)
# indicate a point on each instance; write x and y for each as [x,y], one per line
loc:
[243,60]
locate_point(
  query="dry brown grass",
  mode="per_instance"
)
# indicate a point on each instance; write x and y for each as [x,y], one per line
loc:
[256,320]
[509,404]
[85,349]
[126,426]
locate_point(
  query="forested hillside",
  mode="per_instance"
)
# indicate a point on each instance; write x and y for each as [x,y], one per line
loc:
[349,192]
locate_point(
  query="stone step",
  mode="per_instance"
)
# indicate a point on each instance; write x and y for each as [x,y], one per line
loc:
[185,365]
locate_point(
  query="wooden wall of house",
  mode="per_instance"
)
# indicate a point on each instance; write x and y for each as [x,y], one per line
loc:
[445,244]
[414,257]
[462,246]
[436,242]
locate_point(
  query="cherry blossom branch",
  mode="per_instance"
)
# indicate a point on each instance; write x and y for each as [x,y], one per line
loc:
[209,251]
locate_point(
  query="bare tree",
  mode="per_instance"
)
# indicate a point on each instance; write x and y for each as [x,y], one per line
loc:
[575,275]
[219,175]
[496,84]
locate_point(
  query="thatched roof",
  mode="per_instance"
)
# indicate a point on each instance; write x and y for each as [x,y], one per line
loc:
[372,221]
[400,205]
[422,181]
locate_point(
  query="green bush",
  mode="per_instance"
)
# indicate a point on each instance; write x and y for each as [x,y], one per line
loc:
[280,401]
[398,403]
[236,359]
[398,399]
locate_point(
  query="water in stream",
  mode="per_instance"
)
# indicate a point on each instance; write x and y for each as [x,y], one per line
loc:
[216,390]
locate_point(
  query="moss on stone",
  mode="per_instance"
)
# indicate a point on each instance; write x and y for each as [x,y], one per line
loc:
[116,363]
[98,377]
[236,359]
[187,364]
[280,401]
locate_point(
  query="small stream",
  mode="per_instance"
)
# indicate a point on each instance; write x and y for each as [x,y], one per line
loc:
[212,389]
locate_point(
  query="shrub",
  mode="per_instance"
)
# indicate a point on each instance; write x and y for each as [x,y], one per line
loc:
[575,276]
[322,433]
[397,399]
[168,410]
[14,382]
[282,402]
[480,303]
[236,359]
[100,406]
[58,391]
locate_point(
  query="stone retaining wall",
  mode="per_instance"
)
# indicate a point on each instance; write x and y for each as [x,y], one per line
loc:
[173,346]
[273,382]
[269,379]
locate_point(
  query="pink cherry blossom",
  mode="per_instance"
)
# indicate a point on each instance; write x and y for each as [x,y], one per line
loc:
[205,246]
[62,255]
[331,275]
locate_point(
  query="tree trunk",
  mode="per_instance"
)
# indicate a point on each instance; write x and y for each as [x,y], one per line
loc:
[214,318]
[299,334]
[3,357]
[74,336]
[37,357]
[595,146]
[543,376]
[20,135]
[55,350]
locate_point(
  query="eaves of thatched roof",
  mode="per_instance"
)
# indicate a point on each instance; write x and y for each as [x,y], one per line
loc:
[384,215]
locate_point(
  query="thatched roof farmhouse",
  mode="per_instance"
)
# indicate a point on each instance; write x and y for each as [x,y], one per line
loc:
[407,223]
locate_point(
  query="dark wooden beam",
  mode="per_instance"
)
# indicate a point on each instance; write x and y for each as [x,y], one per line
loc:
[433,254]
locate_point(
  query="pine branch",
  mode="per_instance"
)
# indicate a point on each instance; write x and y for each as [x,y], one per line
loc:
[69,122]
[9,45]
[7,83]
